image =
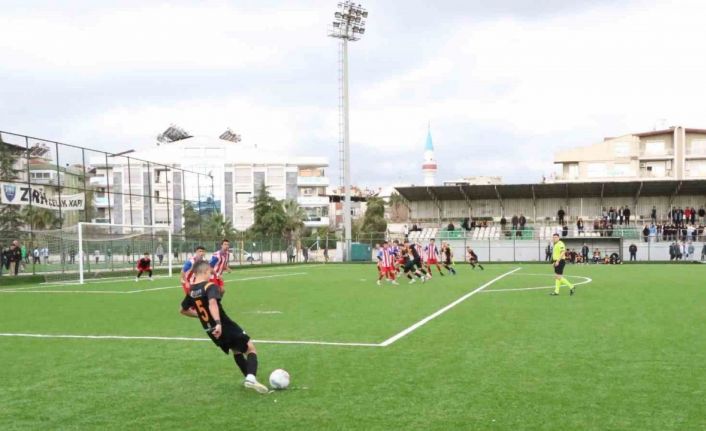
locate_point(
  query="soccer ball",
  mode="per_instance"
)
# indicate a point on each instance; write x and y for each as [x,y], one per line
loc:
[279,379]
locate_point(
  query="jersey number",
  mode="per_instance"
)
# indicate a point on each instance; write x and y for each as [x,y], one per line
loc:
[203,314]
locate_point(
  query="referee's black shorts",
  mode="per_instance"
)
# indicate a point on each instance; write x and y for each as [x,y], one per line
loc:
[559,267]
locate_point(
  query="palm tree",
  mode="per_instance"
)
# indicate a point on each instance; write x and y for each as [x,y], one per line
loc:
[294,218]
[39,218]
[219,227]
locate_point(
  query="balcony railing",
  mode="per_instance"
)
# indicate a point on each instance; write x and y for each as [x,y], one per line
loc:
[98,181]
[312,200]
[313,181]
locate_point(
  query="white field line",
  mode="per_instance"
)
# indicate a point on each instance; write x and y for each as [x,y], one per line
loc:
[124,337]
[586,280]
[176,274]
[18,290]
[443,310]
[385,343]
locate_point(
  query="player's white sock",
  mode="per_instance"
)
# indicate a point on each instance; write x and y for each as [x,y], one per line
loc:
[250,378]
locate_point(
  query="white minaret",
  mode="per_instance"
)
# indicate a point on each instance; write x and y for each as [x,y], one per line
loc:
[429,166]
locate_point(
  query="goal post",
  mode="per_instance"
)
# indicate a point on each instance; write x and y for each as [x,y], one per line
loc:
[119,246]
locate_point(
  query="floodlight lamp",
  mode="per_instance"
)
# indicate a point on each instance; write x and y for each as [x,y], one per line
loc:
[365,14]
[338,15]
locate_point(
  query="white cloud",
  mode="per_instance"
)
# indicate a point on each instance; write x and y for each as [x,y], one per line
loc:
[154,37]
[505,85]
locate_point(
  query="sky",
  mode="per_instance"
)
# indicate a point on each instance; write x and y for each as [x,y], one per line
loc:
[503,84]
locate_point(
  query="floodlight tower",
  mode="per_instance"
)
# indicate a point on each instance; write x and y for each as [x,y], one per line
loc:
[348,25]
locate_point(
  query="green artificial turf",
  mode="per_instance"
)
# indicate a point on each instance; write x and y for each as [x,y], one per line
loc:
[626,352]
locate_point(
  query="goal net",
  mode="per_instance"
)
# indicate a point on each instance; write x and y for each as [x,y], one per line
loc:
[99,250]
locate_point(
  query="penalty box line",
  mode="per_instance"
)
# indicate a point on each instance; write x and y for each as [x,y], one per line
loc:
[443,310]
[385,343]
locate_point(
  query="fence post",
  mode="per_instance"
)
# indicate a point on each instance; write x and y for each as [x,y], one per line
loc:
[489,256]
[514,245]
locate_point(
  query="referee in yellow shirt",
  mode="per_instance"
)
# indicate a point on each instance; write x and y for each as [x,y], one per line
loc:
[558,257]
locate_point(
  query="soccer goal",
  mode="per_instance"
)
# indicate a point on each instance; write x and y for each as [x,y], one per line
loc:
[112,250]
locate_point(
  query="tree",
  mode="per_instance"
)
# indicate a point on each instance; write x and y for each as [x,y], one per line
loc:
[217,227]
[399,211]
[270,217]
[294,218]
[192,222]
[10,217]
[374,218]
[39,218]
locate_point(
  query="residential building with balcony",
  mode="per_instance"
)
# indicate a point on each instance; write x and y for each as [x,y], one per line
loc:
[677,153]
[211,174]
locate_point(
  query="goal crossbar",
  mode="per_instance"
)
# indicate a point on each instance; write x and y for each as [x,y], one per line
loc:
[81,225]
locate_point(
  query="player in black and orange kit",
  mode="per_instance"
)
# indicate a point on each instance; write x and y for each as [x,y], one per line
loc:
[204,303]
[144,265]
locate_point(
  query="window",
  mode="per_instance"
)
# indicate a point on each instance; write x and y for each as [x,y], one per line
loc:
[242,198]
[156,195]
[698,146]
[622,170]
[654,148]
[621,149]
[597,170]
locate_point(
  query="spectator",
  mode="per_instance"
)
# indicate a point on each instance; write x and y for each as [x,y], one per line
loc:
[646,233]
[325,254]
[45,255]
[464,225]
[579,226]
[596,256]
[406,230]
[503,223]
[615,259]
[565,231]
[160,253]
[609,230]
[548,252]
[653,233]
[690,249]
[25,256]
[653,214]
[523,222]
[703,252]
[97,255]
[620,216]
[451,227]
[633,252]
[693,215]
[560,215]
[305,254]
[14,258]
[702,213]
[584,253]
[35,256]
[515,221]
[72,255]
[626,214]
[612,215]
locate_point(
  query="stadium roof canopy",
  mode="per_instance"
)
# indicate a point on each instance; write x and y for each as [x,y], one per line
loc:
[553,190]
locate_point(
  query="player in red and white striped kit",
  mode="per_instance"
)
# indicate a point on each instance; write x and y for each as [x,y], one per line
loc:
[431,257]
[187,271]
[219,263]
[386,264]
